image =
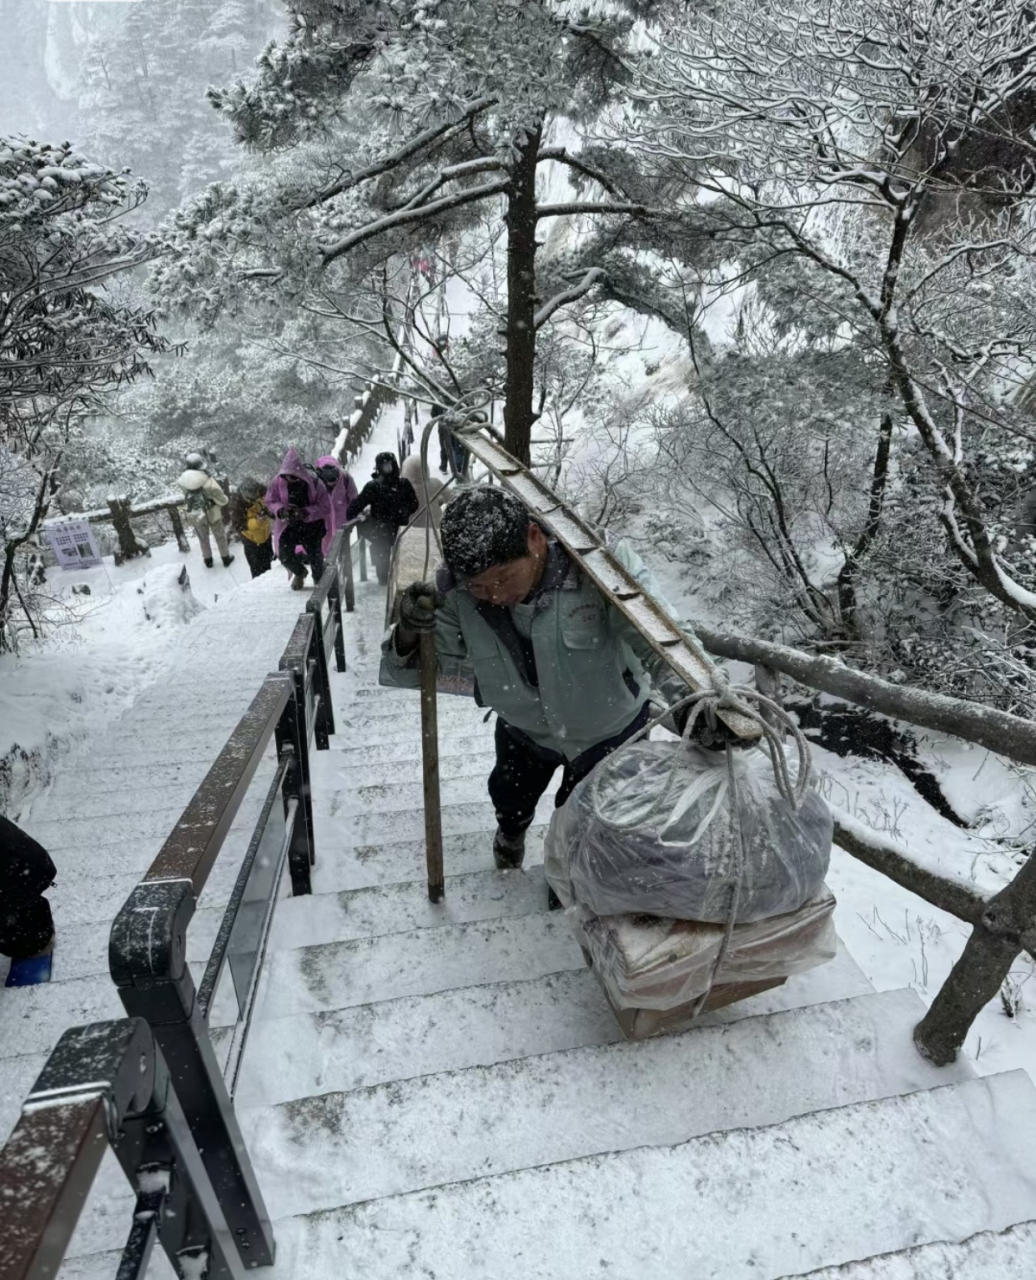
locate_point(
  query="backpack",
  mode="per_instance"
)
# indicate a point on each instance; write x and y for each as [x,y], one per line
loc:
[197,502]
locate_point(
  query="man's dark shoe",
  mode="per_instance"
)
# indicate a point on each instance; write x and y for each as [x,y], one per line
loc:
[508,851]
[208,562]
[227,561]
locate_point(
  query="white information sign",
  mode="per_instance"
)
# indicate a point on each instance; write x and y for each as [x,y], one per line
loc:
[72,541]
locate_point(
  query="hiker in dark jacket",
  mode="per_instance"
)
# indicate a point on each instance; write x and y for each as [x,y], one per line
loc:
[26,924]
[392,501]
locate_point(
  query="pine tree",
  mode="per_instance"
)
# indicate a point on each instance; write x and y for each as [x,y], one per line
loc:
[407,120]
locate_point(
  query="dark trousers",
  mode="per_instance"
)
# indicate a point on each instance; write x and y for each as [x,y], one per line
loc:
[380,544]
[308,536]
[523,771]
[259,555]
[26,870]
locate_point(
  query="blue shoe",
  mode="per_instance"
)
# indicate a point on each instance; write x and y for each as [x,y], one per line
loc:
[31,972]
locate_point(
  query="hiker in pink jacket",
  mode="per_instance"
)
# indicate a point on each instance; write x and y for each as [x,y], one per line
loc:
[342,489]
[301,510]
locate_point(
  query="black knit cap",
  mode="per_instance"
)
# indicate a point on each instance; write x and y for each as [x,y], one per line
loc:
[481,528]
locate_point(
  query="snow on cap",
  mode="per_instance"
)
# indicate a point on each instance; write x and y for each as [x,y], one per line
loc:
[481,528]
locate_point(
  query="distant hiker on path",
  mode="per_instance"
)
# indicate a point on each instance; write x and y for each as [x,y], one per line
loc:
[301,507]
[452,454]
[250,520]
[342,489]
[26,924]
[392,501]
[425,488]
[564,670]
[204,503]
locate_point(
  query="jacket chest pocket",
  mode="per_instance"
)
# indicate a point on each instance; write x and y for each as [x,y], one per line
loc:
[584,634]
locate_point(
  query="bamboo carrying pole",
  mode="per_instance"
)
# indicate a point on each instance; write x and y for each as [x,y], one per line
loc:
[430,755]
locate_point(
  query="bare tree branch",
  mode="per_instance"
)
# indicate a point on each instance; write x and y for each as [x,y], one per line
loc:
[1000,732]
[592,277]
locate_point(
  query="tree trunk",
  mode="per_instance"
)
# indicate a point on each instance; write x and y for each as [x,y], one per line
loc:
[1007,925]
[521,301]
[847,576]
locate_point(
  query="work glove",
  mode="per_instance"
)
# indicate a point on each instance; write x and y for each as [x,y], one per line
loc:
[417,607]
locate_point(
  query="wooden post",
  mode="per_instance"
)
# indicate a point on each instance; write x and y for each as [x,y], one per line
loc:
[768,682]
[178,530]
[1007,927]
[128,546]
[430,760]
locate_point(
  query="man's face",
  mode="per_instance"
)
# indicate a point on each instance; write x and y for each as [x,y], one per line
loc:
[509,584]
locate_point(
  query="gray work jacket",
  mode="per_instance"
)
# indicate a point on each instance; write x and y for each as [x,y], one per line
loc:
[590,662]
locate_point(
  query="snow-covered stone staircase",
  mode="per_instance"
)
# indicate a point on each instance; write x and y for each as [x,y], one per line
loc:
[435,1091]
[112,806]
[443,1091]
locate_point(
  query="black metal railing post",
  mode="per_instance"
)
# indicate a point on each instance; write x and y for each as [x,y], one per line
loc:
[147,955]
[292,742]
[108,1084]
[350,581]
[334,603]
[317,671]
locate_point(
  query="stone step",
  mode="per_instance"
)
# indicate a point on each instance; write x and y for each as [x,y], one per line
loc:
[347,1049]
[345,754]
[82,949]
[989,1255]
[35,1017]
[406,730]
[748,1204]
[341,1148]
[356,776]
[89,835]
[17,1076]
[395,797]
[341,975]
[397,908]
[346,866]
[86,895]
[368,827]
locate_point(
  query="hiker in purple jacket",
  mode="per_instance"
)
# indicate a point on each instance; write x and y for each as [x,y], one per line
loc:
[342,489]
[301,509]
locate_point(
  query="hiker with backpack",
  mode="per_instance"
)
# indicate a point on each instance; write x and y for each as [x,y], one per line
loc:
[301,508]
[392,501]
[250,520]
[204,501]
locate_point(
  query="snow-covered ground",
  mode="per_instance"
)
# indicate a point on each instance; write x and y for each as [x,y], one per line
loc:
[55,697]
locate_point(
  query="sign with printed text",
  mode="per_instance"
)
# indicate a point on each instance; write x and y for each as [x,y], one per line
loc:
[72,541]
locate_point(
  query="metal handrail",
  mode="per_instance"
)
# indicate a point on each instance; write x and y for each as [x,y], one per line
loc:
[107,1085]
[218,955]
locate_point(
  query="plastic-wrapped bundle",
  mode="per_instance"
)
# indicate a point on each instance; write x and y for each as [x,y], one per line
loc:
[652,831]
[646,963]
